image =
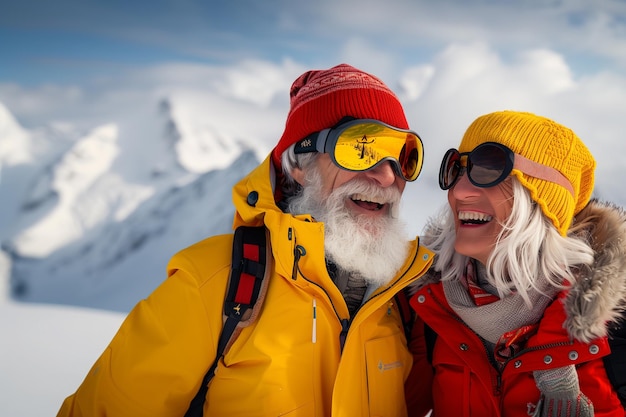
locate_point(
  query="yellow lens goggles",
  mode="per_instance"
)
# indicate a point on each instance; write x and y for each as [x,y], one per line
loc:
[362,144]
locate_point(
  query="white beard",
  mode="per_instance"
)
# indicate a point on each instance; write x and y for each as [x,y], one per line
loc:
[373,247]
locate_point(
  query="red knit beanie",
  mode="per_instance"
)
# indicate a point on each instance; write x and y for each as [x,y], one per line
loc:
[321,98]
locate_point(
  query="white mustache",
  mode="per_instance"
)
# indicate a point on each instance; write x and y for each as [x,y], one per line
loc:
[370,191]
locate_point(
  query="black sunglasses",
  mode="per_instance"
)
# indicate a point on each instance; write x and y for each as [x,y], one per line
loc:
[490,163]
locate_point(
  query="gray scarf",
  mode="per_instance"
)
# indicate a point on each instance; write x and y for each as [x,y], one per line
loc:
[492,320]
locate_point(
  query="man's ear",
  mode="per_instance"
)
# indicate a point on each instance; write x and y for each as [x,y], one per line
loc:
[298,175]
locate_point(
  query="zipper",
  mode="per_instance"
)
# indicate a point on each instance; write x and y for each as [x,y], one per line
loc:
[345,326]
[300,251]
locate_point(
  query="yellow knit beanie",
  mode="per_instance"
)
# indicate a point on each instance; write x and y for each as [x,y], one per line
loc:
[547,143]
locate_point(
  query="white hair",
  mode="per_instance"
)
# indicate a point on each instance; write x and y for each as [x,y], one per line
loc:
[289,161]
[374,248]
[528,246]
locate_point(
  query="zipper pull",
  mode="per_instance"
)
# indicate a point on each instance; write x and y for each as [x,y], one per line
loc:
[298,252]
[314,331]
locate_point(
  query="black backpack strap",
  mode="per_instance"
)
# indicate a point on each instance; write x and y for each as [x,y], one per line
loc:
[244,287]
[615,362]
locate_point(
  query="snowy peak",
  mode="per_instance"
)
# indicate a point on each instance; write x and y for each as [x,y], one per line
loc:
[203,140]
[85,162]
[126,260]
[15,142]
[103,212]
[104,202]
[65,189]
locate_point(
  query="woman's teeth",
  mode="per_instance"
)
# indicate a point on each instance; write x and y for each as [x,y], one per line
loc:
[474,217]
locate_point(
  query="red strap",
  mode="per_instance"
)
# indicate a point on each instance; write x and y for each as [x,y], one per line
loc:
[246,281]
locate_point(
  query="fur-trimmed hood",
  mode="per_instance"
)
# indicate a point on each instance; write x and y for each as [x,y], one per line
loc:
[598,298]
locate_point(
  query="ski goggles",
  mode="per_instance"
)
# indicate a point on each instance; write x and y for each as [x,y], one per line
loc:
[362,144]
[490,163]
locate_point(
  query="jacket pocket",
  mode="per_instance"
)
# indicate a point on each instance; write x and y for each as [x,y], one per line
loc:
[388,363]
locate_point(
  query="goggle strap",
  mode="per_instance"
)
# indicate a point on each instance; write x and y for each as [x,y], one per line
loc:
[542,172]
[322,141]
[315,142]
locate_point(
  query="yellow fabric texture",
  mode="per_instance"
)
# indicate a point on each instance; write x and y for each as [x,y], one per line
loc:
[154,365]
[548,143]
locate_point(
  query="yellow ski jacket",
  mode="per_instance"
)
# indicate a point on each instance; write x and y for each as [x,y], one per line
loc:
[288,362]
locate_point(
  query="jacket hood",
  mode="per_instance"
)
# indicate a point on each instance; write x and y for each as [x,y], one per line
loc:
[599,296]
[253,196]
[598,299]
[255,205]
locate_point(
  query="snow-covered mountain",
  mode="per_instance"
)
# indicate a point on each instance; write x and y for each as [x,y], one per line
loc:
[96,197]
[92,218]
[119,262]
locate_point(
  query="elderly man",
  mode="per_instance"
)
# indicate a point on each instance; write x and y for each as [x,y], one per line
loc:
[326,336]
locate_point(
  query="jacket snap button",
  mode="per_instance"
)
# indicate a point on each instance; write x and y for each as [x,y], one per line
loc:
[594,349]
[252,199]
[421,299]
[547,359]
[425,257]
[573,355]
[463,347]
[517,364]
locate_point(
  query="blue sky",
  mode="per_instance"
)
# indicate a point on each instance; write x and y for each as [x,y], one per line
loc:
[87,63]
[65,41]
[72,41]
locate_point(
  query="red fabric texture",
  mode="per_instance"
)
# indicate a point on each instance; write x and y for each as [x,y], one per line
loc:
[463,371]
[247,281]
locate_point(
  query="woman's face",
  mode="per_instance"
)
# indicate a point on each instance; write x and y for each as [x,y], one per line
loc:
[478,215]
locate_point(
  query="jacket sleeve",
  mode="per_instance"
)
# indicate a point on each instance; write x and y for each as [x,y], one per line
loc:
[595,384]
[155,362]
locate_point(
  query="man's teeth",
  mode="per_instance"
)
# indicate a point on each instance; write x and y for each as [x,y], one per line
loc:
[362,197]
[474,216]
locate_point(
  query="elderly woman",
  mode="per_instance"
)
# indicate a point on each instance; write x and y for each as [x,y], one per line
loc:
[528,278]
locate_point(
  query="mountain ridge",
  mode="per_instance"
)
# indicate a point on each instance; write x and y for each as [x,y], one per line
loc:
[86,230]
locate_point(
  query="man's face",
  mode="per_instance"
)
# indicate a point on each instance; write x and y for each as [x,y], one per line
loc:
[359,210]
[381,177]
